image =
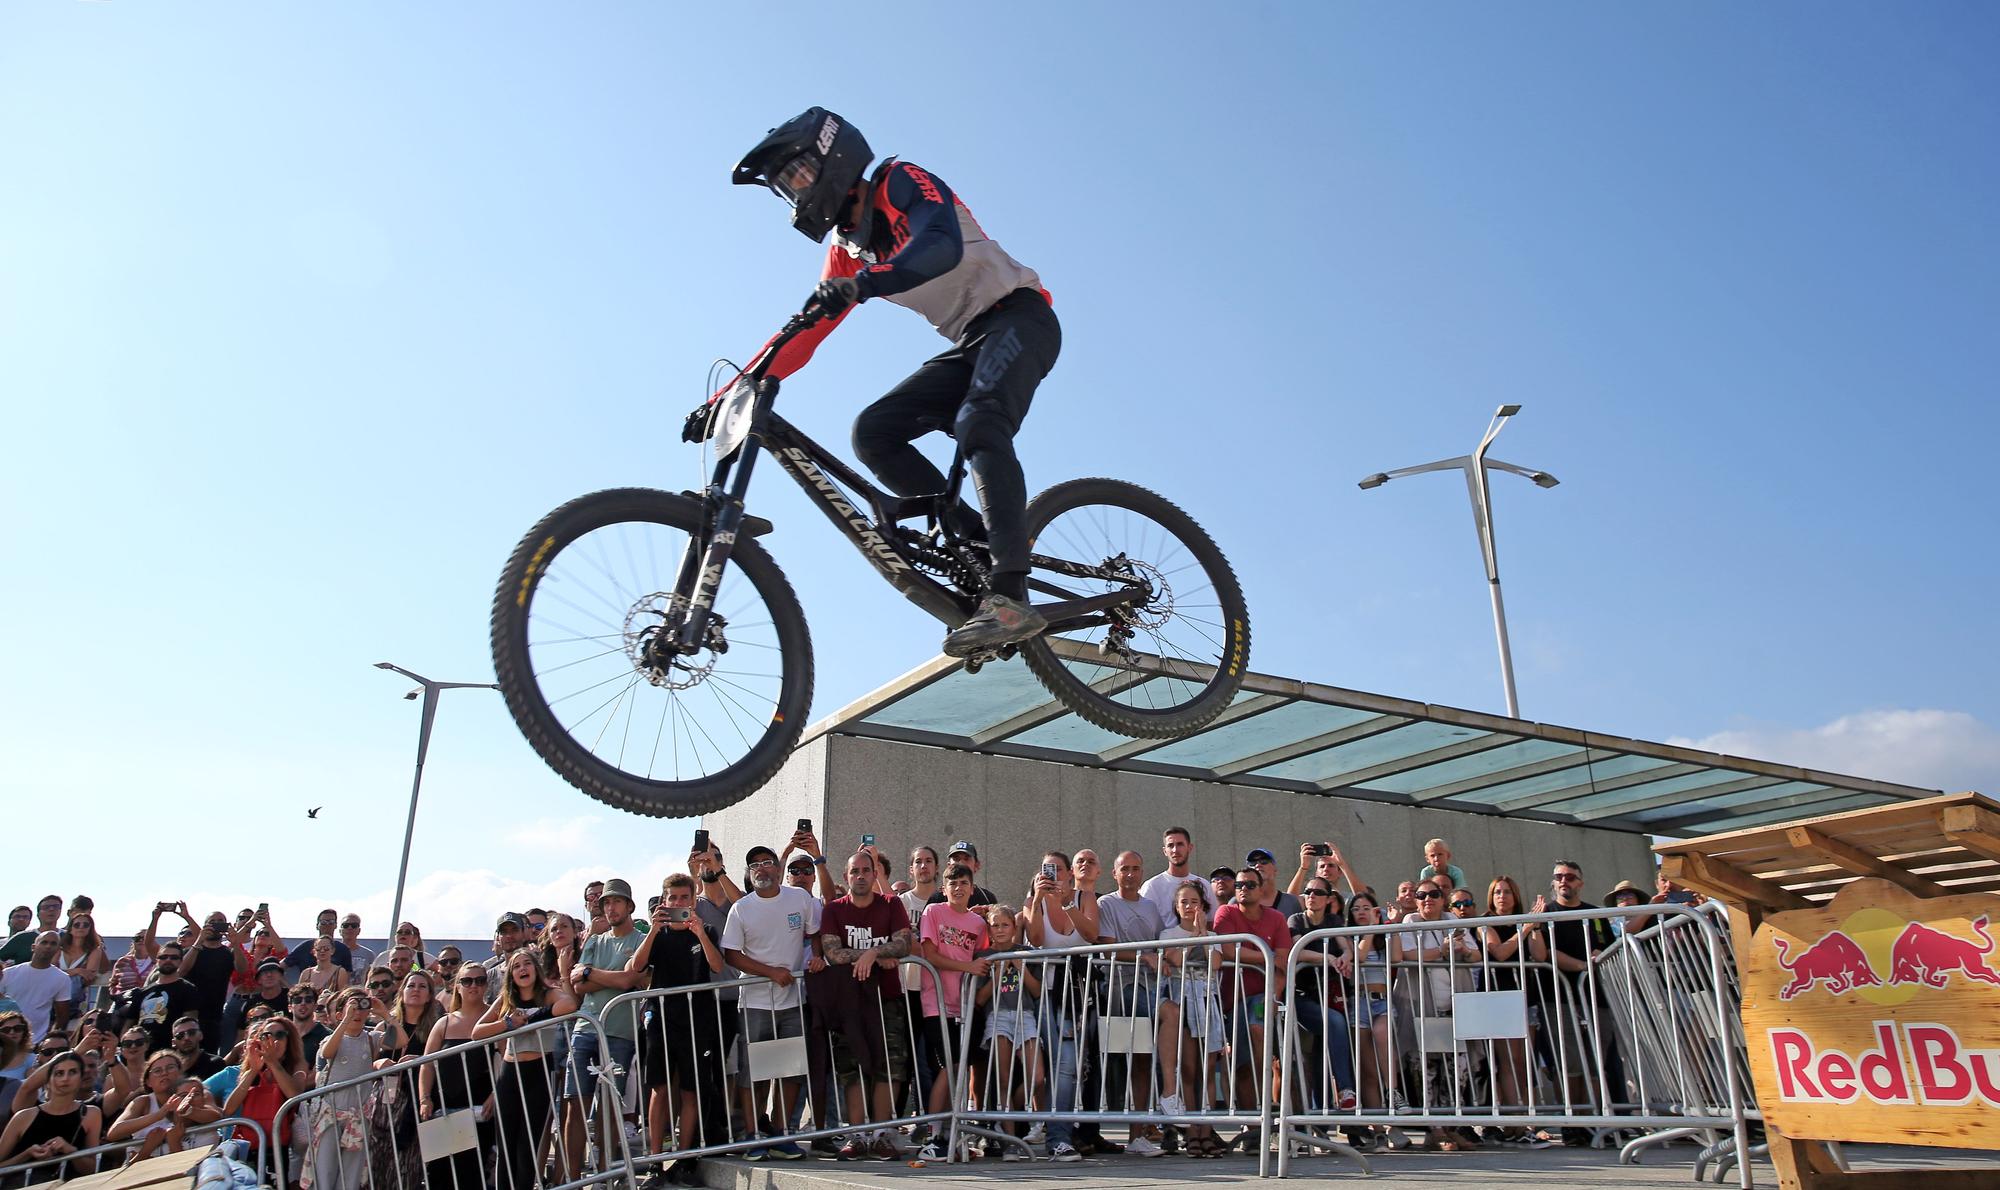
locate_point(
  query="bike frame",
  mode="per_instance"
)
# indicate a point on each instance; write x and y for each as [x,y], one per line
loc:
[868,525]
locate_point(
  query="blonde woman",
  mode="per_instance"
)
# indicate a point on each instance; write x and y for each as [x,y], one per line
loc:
[461,1082]
[1191,1036]
[524,1091]
[324,975]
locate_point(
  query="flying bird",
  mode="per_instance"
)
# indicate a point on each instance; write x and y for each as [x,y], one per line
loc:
[314,812]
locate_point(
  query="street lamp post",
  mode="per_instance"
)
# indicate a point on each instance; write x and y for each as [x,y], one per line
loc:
[429,690]
[1475,466]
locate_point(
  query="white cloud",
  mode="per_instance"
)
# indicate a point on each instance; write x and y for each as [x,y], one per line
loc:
[1947,750]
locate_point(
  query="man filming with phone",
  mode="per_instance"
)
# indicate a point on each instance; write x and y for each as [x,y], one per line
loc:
[681,1042]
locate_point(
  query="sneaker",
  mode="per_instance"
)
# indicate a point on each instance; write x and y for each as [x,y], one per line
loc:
[1000,620]
[853,1150]
[1172,1105]
[1065,1152]
[1139,1146]
[1397,1103]
[756,1154]
[1037,1135]
[1016,1153]
[882,1148]
[930,1152]
[686,1172]
[1107,1148]
[1347,1101]
[823,1146]
[1398,1139]
[785,1150]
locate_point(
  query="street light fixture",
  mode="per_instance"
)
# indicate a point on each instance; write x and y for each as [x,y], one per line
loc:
[1475,466]
[429,690]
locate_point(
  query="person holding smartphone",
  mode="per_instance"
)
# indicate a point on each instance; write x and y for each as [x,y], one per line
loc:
[680,1042]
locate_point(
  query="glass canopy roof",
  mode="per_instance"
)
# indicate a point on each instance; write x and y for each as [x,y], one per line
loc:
[1306,738]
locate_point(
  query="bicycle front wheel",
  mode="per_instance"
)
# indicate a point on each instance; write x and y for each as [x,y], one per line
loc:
[1156,669]
[573,630]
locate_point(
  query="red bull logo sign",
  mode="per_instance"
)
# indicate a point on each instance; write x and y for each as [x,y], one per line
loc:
[1878,1001]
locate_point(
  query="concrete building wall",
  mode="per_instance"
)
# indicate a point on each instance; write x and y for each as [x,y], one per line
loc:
[1014,809]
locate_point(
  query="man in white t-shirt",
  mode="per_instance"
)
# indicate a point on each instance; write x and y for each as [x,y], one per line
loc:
[39,987]
[1178,846]
[766,936]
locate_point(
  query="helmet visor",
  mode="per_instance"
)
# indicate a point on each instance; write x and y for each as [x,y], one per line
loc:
[794,180]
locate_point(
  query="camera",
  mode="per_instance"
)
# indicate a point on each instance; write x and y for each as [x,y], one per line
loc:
[679,914]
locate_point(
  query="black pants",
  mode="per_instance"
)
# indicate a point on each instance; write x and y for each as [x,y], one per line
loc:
[977,392]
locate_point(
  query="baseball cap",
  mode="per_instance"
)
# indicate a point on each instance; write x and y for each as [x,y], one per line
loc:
[510,919]
[962,845]
[1259,855]
[799,863]
[1219,873]
[270,965]
[615,887]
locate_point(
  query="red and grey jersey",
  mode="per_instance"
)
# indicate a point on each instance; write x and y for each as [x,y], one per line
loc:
[915,244]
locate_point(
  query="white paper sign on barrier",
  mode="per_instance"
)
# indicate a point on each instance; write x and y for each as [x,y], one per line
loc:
[1479,1016]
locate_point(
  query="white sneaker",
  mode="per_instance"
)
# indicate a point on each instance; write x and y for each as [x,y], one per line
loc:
[1037,1135]
[930,1152]
[1347,1101]
[1172,1105]
[1065,1152]
[1139,1146]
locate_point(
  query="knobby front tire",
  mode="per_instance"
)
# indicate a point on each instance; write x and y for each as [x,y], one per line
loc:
[1194,634]
[575,605]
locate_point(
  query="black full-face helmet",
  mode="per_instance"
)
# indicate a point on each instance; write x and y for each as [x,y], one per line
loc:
[811,161]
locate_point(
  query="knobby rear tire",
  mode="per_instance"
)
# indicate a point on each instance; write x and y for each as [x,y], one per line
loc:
[513,604]
[1232,649]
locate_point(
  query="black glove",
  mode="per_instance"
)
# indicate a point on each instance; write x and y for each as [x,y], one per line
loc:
[834,295]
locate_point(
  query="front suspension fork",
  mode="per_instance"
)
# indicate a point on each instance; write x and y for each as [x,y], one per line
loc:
[701,570]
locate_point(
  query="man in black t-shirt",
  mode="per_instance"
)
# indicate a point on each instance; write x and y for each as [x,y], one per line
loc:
[270,992]
[1575,947]
[680,1041]
[195,1058]
[208,966]
[155,1006]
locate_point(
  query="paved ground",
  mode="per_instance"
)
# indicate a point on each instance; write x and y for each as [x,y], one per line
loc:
[1500,1169]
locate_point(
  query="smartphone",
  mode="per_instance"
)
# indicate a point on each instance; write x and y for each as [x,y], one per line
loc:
[1049,870]
[1319,849]
[805,826]
[652,903]
[679,914]
[263,909]
[868,840]
[701,841]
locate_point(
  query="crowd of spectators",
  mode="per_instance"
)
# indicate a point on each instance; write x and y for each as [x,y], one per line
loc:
[220,1017]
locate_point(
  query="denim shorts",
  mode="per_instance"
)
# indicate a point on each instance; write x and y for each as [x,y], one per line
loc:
[1016,1025]
[1366,1010]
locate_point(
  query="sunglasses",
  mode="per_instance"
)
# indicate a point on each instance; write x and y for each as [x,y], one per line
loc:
[50,1053]
[14,1029]
[381,985]
[469,980]
[133,1045]
[185,1033]
[1461,904]
[1429,896]
[1565,878]
[1246,885]
[1316,892]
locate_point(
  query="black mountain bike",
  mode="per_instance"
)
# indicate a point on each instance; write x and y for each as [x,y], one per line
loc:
[656,657]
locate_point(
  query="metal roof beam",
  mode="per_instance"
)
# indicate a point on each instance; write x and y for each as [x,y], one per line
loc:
[1319,743]
[1698,794]
[1389,768]
[1519,772]
[1605,785]
[1255,705]
[1052,710]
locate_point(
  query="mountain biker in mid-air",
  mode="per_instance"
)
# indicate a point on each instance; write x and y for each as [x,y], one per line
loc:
[901,234]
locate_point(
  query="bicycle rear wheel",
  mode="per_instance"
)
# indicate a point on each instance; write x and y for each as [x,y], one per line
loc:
[578,606]
[1163,667]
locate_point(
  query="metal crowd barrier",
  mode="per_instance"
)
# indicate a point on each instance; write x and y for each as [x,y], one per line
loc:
[1632,1040]
[18,1174]
[738,1079]
[413,1124]
[1106,1020]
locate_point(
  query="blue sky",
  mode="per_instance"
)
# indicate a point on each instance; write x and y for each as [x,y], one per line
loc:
[307,312]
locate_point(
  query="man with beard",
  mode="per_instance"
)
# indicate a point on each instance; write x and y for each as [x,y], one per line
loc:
[766,936]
